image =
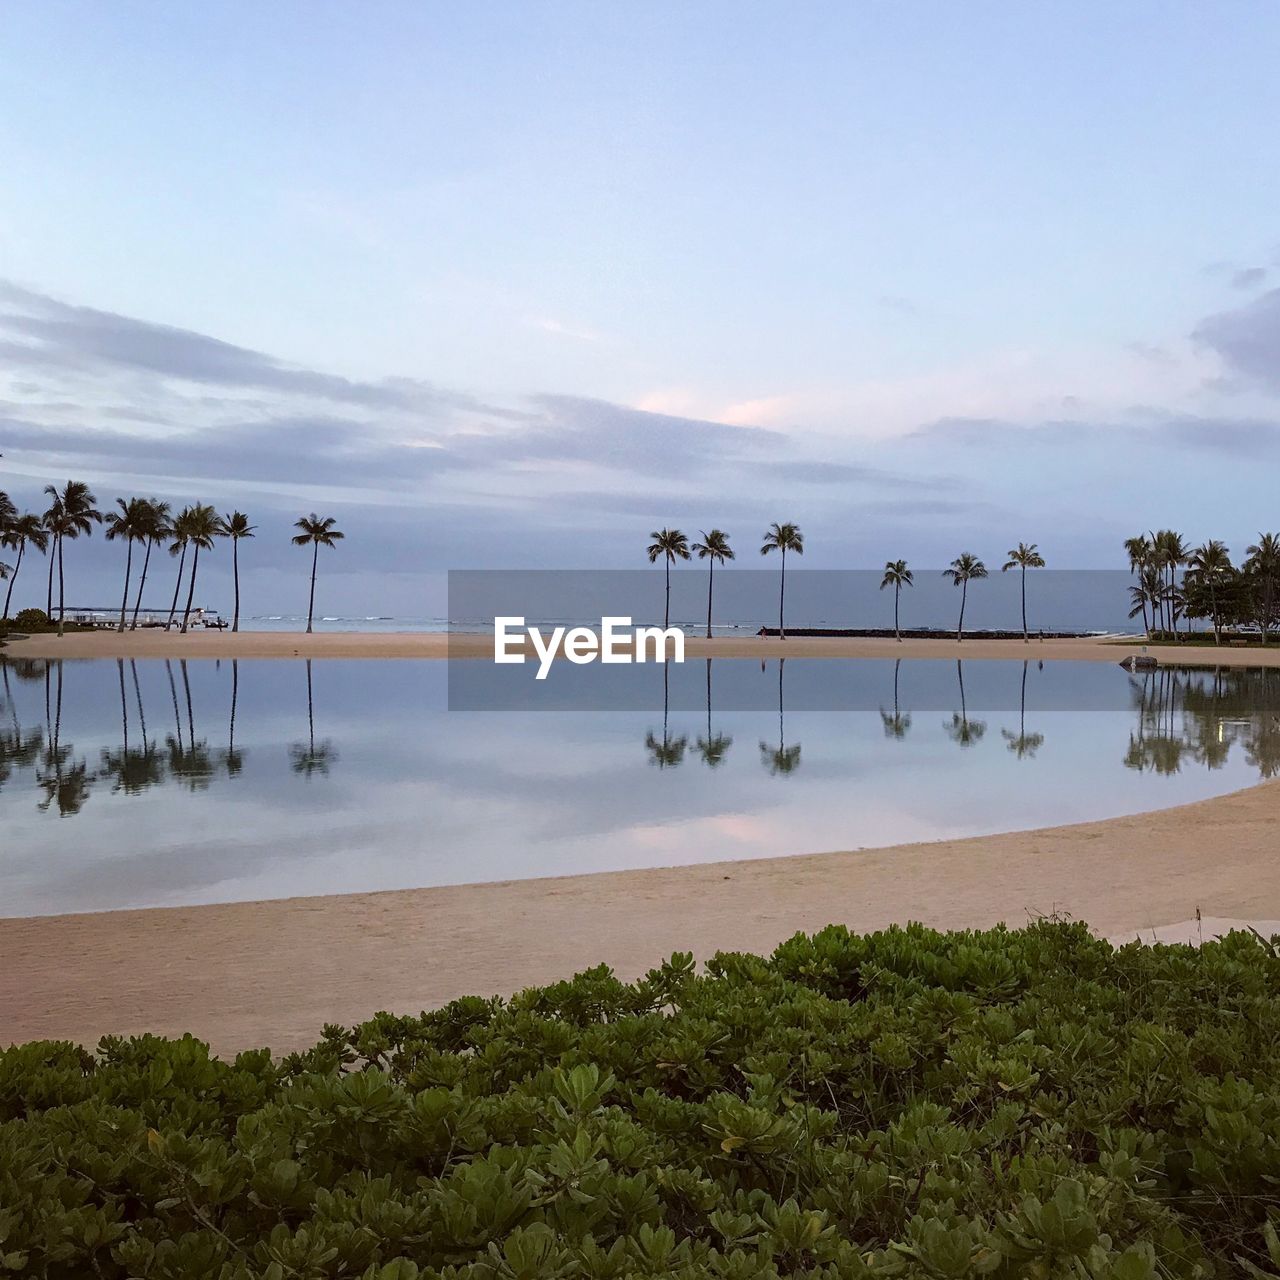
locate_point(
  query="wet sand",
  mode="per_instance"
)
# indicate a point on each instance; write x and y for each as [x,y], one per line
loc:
[407,644]
[272,973]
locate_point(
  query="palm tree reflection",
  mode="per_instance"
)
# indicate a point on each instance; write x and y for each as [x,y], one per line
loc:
[963,731]
[896,725]
[1024,745]
[311,759]
[715,746]
[782,759]
[666,752]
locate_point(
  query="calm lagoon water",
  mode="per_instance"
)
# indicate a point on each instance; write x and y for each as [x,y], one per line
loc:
[157,783]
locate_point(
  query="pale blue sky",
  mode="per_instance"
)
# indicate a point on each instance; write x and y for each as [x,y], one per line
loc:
[1004,226]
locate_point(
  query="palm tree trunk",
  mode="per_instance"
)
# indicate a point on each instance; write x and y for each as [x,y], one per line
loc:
[173,693]
[897,630]
[235,694]
[311,606]
[235,570]
[964,593]
[8,595]
[1022,704]
[711,574]
[142,582]
[124,706]
[128,572]
[177,587]
[48,607]
[137,696]
[666,611]
[1025,637]
[782,596]
[1213,609]
[191,589]
[186,688]
[62,589]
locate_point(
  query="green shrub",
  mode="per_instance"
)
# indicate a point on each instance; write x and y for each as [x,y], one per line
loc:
[1030,1103]
[31,620]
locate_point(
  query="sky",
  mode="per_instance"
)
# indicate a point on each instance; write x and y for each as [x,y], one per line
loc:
[508,285]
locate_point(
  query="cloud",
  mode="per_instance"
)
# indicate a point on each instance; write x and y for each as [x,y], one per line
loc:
[1247,339]
[1249,277]
[46,334]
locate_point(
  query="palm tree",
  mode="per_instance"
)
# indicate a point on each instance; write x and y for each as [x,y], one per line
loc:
[714,546]
[204,525]
[130,521]
[236,526]
[19,532]
[965,568]
[1211,563]
[668,544]
[1169,551]
[1139,551]
[157,529]
[784,538]
[1024,557]
[1264,560]
[72,512]
[897,576]
[179,531]
[319,533]
[1147,592]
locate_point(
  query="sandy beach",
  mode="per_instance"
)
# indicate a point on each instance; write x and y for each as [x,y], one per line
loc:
[272,973]
[407,644]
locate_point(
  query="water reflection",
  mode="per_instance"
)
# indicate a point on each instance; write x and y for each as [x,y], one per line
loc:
[197,782]
[1180,718]
[311,759]
[961,730]
[896,725]
[713,748]
[66,777]
[1184,720]
[1024,745]
[782,759]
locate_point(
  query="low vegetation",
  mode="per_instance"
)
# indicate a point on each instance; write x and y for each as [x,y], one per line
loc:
[1025,1103]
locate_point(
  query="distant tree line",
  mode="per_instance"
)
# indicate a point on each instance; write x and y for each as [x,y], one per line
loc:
[142,524]
[1177,584]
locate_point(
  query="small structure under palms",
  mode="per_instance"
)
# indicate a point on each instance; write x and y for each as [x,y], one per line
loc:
[1024,557]
[965,568]
[714,546]
[669,545]
[318,533]
[897,576]
[784,538]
